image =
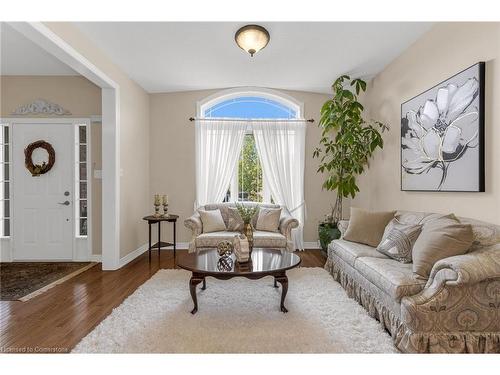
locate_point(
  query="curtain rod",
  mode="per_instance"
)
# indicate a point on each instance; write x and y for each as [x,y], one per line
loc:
[249,120]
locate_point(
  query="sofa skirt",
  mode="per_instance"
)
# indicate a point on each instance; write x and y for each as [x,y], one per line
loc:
[404,339]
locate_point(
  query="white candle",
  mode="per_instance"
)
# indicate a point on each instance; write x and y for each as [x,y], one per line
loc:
[165,199]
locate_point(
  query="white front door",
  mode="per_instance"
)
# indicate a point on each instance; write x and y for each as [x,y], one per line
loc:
[43,208]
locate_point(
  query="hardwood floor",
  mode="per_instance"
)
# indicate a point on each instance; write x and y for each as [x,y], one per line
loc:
[58,319]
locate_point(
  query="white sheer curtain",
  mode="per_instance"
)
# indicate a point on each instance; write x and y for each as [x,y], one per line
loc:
[281,148]
[218,145]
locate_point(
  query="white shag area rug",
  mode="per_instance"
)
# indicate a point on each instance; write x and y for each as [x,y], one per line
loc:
[238,316]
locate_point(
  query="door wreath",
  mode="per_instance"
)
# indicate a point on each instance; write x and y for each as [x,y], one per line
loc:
[38,169]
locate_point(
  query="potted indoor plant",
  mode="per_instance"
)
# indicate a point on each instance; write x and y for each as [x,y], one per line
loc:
[346,145]
[327,231]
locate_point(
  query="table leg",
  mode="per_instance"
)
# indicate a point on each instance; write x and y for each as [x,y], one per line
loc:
[283,280]
[159,245]
[195,280]
[275,283]
[204,286]
[175,243]
[149,248]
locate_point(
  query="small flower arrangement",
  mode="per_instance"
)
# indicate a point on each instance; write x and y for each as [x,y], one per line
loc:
[247,212]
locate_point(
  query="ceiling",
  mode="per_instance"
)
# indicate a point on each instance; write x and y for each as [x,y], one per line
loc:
[308,56]
[20,56]
[179,56]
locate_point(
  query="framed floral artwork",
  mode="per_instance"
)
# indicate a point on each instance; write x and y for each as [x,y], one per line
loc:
[442,135]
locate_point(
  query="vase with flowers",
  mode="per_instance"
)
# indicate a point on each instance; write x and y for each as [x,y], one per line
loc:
[247,212]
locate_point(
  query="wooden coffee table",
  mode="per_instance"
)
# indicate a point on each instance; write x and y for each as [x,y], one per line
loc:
[265,262]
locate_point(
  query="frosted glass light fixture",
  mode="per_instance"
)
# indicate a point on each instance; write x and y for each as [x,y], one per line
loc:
[252,38]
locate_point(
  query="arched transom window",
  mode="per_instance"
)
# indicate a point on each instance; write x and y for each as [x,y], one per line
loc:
[248,183]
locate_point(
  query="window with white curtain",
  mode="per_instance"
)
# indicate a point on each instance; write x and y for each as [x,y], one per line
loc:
[248,183]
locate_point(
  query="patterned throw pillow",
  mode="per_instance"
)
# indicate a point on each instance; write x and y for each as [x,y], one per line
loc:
[398,240]
[235,222]
[268,219]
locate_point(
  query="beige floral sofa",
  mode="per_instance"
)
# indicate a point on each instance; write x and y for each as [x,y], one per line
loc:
[457,310]
[277,240]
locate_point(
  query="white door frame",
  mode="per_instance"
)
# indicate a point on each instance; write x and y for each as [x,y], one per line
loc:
[55,45]
[76,240]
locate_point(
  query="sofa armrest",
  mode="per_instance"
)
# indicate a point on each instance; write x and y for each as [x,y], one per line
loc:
[287,223]
[467,269]
[460,297]
[342,225]
[194,223]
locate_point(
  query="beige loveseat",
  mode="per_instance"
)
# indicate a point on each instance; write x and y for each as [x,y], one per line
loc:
[456,310]
[276,240]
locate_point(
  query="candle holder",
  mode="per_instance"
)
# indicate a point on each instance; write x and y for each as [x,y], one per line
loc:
[157,205]
[164,201]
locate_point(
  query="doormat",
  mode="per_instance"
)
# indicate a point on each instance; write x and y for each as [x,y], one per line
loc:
[21,281]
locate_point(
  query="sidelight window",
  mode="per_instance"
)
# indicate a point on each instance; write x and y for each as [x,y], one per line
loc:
[81,179]
[5,181]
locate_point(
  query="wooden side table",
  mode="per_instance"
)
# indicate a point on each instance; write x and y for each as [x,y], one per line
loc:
[154,220]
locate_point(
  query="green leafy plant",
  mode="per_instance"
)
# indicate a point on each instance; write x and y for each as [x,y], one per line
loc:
[247,212]
[250,171]
[347,141]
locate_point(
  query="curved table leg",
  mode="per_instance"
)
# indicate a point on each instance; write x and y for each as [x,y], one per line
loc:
[195,280]
[283,280]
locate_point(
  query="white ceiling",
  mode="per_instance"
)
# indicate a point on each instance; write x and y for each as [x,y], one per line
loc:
[177,56]
[20,56]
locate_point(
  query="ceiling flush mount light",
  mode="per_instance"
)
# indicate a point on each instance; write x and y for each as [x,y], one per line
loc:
[252,38]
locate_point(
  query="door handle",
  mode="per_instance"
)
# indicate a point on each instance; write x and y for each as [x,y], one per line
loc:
[65,203]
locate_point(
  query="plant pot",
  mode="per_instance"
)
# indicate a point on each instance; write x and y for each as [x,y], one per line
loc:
[327,232]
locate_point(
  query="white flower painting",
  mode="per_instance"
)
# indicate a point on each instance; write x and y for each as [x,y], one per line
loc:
[442,135]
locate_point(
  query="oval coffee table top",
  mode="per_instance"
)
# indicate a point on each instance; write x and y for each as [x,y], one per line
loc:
[263,261]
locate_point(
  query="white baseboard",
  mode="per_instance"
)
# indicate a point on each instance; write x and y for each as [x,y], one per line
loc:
[312,245]
[141,250]
[131,256]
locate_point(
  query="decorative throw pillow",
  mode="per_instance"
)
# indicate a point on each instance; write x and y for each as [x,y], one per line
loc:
[235,222]
[212,221]
[367,227]
[398,240]
[268,219]
[440,238]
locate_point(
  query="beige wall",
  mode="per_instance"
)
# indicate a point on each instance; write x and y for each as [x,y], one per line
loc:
[74,93]
[77,95]
[134,139]
[173,162]
[445,50]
